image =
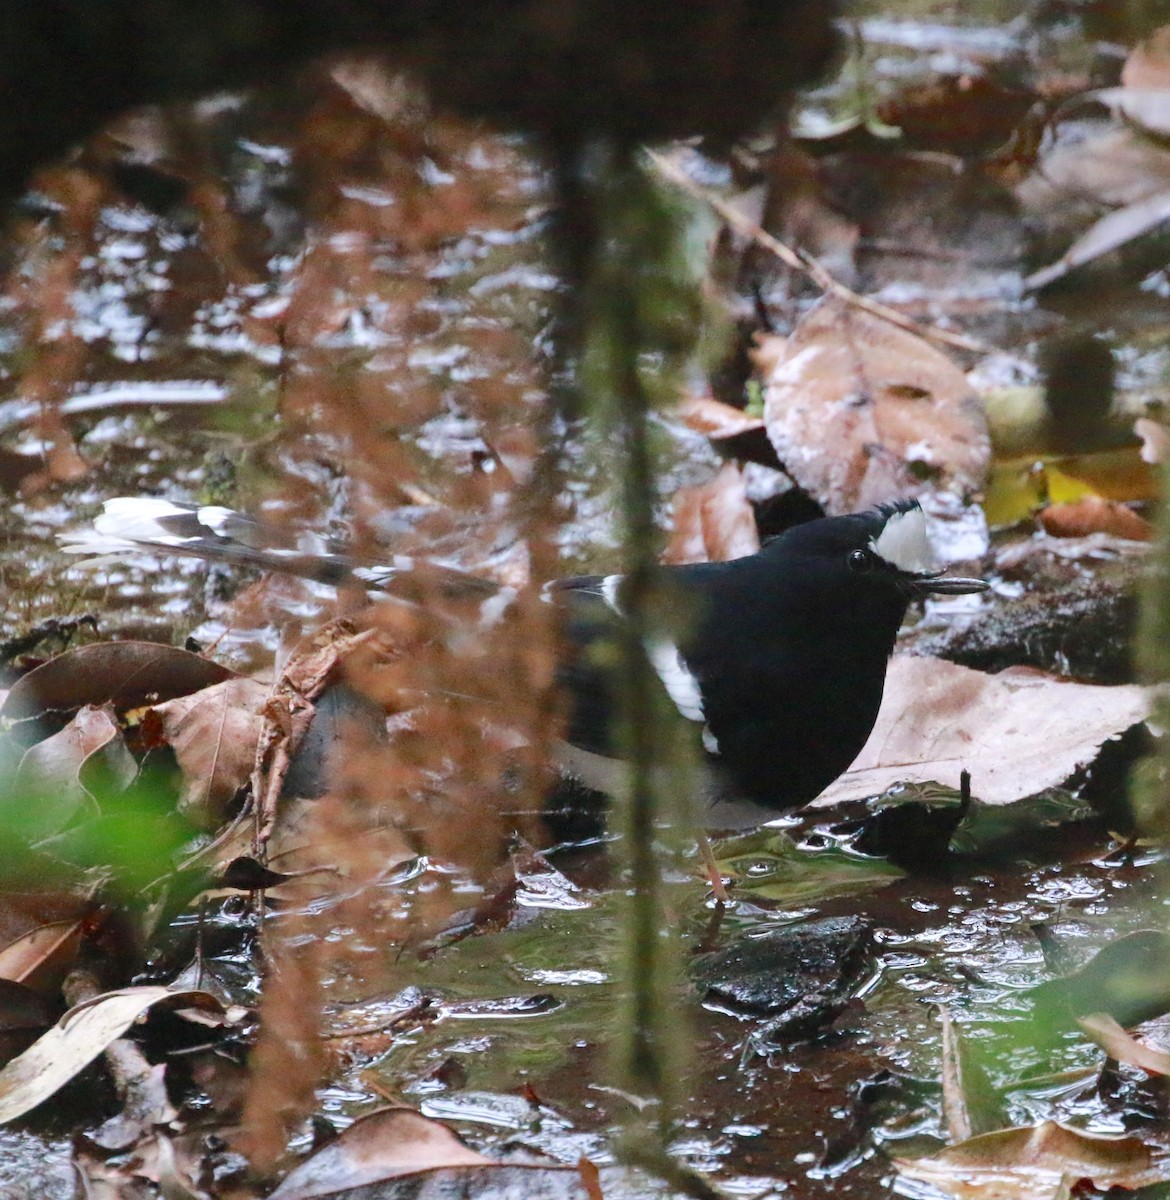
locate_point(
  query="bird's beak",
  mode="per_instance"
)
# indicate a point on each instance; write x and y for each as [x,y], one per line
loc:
[953,585]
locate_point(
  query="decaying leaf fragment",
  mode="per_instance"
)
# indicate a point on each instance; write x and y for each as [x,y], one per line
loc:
[861,412]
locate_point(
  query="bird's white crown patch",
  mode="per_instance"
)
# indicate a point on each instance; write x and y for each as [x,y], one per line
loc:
[904,543]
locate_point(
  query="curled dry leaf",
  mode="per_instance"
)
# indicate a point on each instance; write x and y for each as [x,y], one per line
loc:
[1146,107]
[713,521]
[1094,514]
[1110,233]
[40,934]
[62,772]
[1034,1162]
[719,421]
[76,1040]
[1018,732]
[862,412]
[214,733]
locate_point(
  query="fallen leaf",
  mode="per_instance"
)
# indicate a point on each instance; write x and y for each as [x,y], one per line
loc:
[1095,515]
[124,674]
[965,113]
[72,767]
[40,934]
[76,1040]
[1110,233]
[1112,474]
[717,420]
[713,522]
[42,958]
[862,412]
[1124,1047]
[1148,107]
[590,1178]
[214,733]
[383,1145]
[1018,732]
[1034,1162]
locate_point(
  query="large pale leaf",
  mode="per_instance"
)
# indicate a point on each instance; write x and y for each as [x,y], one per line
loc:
[1018,732]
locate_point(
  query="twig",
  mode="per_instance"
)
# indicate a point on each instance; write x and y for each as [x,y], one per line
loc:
[798,260]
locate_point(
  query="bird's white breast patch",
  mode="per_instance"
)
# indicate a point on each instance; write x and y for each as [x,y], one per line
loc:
[904,544]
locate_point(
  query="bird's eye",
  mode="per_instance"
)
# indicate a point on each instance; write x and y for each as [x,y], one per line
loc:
[860,560]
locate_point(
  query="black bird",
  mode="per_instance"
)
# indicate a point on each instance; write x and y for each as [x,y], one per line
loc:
[782,670]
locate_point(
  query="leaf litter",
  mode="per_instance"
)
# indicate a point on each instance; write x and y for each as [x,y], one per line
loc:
[854,446]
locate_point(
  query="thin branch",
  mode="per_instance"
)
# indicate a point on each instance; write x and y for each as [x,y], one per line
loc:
[798,260]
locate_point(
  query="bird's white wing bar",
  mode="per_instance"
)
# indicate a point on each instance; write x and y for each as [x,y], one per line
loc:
[904,543]
[609,591]
[680,683]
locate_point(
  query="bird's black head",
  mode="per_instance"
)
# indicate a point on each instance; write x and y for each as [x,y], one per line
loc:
[873,562]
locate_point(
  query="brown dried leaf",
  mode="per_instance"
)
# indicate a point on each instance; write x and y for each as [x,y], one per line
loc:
[1032,1163]
[862,412]
[963,114]
[124,674]
[713,522]
[214,734]
[39,933]
[1017,732]
[1124,1047]
[62,771]
[717,420]
[76,1040]
[41,958]
[384,1145]
[1094,514]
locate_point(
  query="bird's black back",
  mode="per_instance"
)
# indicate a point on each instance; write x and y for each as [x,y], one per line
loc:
[789,649]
